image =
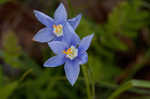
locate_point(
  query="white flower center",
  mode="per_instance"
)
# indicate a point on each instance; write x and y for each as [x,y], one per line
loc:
[71,52]
[58,30]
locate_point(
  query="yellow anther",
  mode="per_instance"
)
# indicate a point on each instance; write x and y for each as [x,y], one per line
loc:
[59,26]
[58,29]
[71,52]
[68,51]
[54,26]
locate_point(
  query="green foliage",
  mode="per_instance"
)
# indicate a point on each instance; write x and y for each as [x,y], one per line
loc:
[7,90]
[1,76]
[11,49]
[125,20]
[127,23]
[102,72]
[40,87]
[3,1]
[128,85]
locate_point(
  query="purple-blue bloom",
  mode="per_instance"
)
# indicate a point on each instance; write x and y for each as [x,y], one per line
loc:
[55,28]
[72,53]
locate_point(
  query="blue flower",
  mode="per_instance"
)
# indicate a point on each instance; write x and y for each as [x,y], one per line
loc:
[55,28]
[72,53]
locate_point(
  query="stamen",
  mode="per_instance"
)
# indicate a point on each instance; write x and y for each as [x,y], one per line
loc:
[54,26]
[71,52]
[58,30]
[68,51]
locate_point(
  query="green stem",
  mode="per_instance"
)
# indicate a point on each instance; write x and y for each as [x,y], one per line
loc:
[93,88]
[86,78]
[70,7]
[91,76]
[25,74]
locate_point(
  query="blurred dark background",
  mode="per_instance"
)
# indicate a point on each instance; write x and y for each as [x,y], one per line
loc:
[119,56]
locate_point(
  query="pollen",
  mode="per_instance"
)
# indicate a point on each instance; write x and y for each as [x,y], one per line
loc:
[71,52]
[68,51]
[58,30]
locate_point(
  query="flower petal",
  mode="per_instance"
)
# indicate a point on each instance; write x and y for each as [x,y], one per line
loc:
[44,19]
[44,35]
[83,58]
[55,61]
[85,42]
[75,21]
[72,70]
[69,35]
[60,13]
[57,46]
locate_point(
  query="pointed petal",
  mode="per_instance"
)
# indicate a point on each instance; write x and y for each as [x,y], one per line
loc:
[69,35]
[60,13]
[72,70]
[83,58]
[44,35]
[44,19]
[57,46]
[54,61]
[85,42]
[75,21]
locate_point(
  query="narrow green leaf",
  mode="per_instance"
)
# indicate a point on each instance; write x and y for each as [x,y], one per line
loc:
[7,90]
[128,85]
[1,76]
